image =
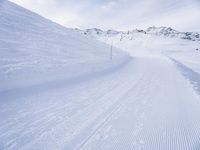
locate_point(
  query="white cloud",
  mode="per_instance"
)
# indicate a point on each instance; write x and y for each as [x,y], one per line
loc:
[119,14]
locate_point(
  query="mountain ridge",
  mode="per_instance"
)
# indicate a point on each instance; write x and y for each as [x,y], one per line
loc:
[158,31]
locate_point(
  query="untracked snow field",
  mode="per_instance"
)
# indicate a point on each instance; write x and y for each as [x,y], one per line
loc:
[60,90]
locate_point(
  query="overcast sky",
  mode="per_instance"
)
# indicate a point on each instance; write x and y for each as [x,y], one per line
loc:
[183,15]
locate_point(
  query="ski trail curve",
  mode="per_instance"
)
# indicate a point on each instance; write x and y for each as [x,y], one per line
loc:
[168,116]
[146,105]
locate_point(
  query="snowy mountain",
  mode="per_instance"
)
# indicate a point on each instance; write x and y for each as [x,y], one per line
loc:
[169,32]
[34,47]
[66,89]
[158,31]
[154,40]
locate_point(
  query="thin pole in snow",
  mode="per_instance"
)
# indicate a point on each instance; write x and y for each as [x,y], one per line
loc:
[111,50]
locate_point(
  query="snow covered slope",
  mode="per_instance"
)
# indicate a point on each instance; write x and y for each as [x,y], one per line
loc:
[36,50]
[150,101]
[153,41]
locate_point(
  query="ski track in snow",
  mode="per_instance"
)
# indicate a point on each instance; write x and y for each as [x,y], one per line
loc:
[59,90]
[146,104]
[189,74]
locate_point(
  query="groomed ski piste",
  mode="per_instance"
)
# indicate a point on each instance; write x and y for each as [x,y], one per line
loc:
[59,90]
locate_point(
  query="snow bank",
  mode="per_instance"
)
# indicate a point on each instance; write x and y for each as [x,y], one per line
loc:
[34,50]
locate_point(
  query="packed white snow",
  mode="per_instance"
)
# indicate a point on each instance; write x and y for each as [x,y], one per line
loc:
[35,48]
[60,90]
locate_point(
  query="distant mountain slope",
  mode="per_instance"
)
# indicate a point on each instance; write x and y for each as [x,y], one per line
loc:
[159,31]
[34,49]
[154,40]
[169,32]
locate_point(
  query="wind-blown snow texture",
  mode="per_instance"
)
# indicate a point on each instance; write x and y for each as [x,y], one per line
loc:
[59,89]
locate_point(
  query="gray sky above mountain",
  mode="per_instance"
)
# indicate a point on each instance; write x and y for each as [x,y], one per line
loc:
[182,15]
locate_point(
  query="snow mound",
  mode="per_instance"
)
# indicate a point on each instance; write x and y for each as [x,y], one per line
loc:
[36,50]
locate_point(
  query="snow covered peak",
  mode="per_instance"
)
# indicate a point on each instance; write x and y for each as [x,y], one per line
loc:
[93,31]
[112,32]
[161,30]
[169,32]
[158,31]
